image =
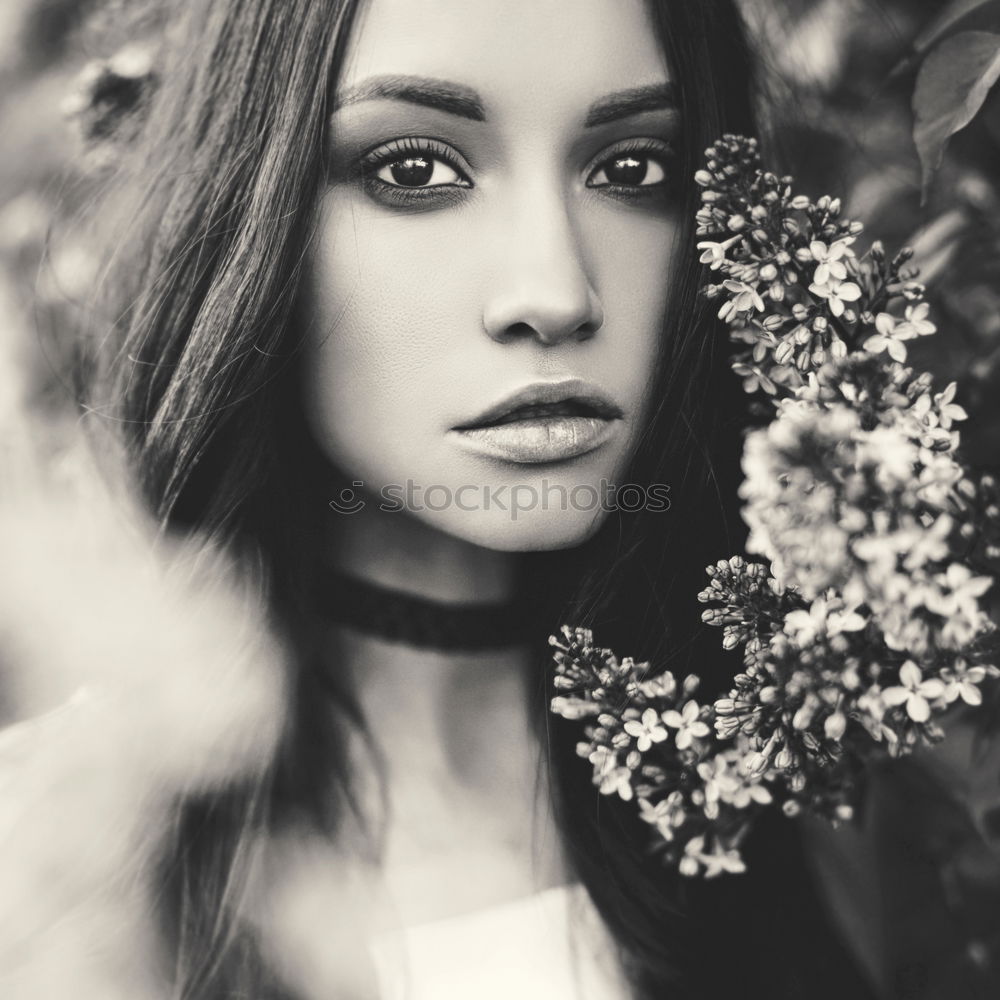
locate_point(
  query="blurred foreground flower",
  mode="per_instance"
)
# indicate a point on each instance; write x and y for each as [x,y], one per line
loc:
[133,671]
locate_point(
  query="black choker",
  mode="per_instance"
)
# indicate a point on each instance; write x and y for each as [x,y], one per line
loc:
[397,616]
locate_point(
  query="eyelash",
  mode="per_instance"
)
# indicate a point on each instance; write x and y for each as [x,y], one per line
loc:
[432,149]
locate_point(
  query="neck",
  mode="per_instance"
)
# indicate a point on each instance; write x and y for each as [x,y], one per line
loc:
[398,551]
[454,727]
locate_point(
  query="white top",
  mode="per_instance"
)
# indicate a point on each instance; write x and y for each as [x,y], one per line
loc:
[549,946]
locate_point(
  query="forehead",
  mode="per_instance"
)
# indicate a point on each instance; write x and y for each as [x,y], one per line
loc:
[518,54]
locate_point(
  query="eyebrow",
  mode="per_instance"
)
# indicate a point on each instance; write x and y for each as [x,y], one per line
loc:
[458,99]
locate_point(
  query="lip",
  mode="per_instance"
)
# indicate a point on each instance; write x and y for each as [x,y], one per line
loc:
[548,392]
[538,439]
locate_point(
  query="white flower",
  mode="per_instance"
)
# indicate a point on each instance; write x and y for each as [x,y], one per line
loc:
[829,259]
[887,338]
[687,724]
[574,708]
[928,544]
[960,591]
[690,863]
[821,619]
[754,378]
[646,730]
[666,815]
[743,298]
[721,860]
[804,626]
[949,411]
[914,691]
[916,323]
[961,681]
[891,455]
[715,253]
[836,293]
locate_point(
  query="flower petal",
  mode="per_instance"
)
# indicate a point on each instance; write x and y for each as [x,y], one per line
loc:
[918,709]
[909,674]
[932,688]
[895,695]
[971,695]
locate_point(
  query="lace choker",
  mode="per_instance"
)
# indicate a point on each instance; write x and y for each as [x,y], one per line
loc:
[423,622]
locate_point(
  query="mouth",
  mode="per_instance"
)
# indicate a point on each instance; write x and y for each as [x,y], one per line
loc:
[546,401]
[546,422]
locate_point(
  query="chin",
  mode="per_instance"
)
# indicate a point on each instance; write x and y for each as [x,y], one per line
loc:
[530,531]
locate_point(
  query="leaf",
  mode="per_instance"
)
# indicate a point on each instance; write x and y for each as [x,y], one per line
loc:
[960,15]
[955,12]
[951,86]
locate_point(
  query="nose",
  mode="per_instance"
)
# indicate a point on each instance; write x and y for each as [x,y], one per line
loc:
[542,288]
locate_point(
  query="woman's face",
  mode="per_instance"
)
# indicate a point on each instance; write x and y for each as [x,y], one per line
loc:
[499,214]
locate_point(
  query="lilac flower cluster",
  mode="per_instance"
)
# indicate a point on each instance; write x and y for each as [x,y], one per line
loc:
[865,621]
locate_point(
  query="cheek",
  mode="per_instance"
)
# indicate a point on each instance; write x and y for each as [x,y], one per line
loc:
[387,301]
[634,258]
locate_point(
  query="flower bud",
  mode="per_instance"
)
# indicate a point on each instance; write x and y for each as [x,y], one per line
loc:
[799,202]
[835,726]
[703,178]
[783,352]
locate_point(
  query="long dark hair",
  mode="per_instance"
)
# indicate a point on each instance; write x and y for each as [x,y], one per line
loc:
[212,213]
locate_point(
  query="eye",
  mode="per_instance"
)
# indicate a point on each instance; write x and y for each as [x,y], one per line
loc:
[642,163]
[419,171]
[414,164]
[631,171]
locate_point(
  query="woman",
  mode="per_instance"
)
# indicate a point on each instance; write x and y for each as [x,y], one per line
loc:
[348,235]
